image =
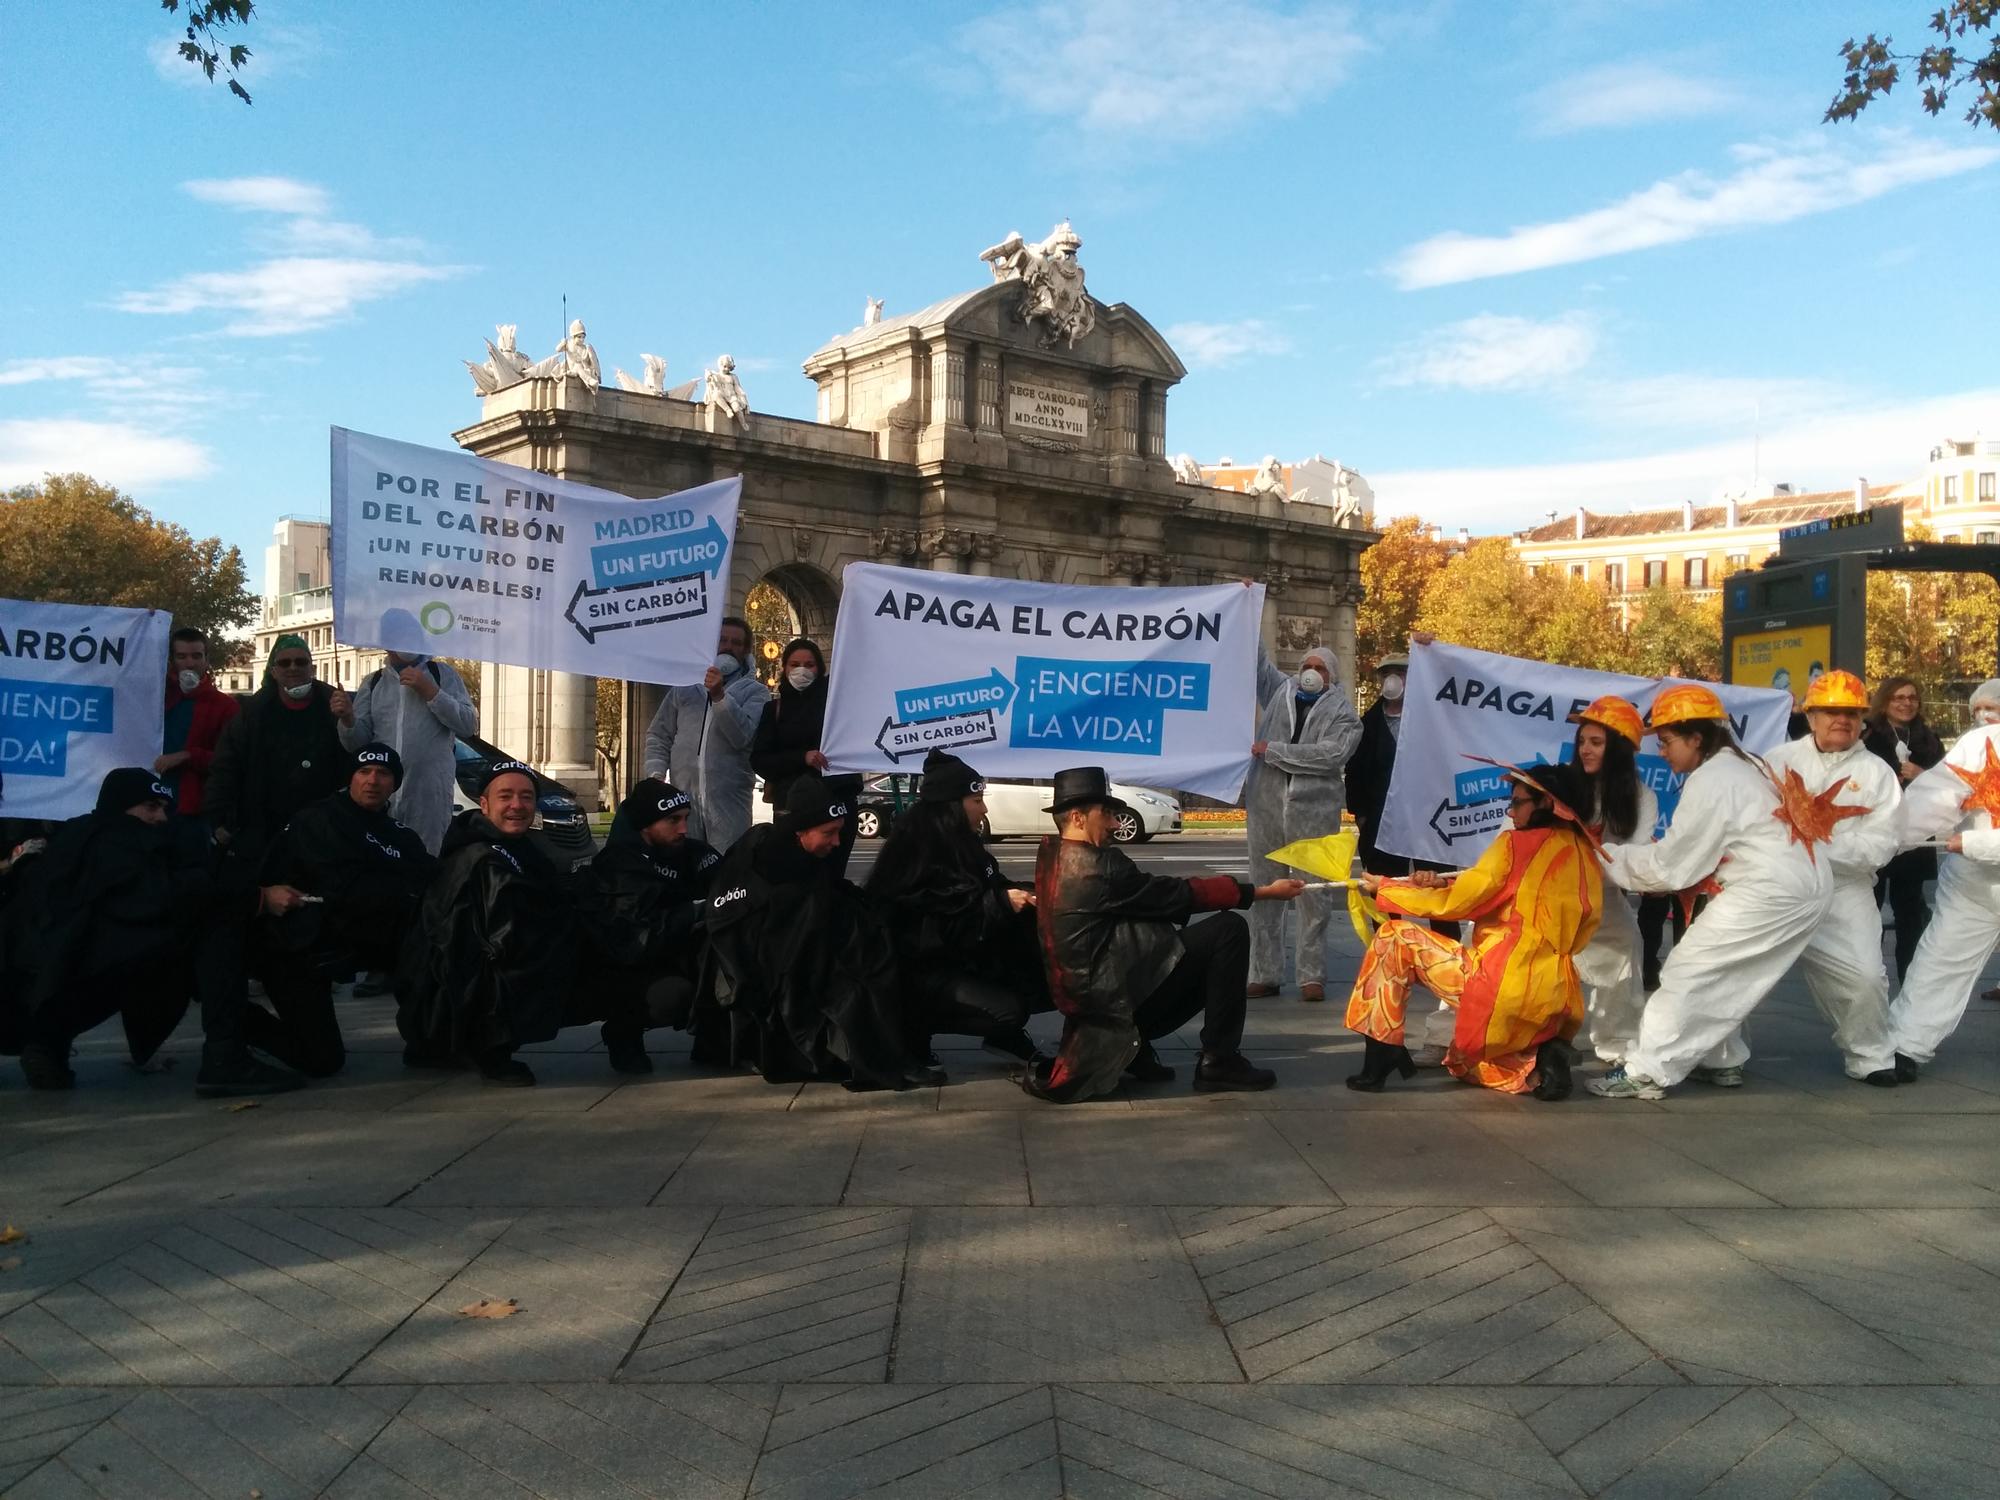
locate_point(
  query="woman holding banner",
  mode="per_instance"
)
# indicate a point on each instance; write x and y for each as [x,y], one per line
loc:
[1732,828]
[1620,809]
[1533,900]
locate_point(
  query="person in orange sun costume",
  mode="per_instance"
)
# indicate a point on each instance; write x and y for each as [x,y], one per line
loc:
[1534,899]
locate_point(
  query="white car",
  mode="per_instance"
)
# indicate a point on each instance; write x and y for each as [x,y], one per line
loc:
[1014,810]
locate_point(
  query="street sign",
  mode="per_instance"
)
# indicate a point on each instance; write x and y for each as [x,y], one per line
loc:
[1855,531]
[1784,625]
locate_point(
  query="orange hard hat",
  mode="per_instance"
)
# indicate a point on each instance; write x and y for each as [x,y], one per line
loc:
[1682,702]
[1615,714]
[1836,689]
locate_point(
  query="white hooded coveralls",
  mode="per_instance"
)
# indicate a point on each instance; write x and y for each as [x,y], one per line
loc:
[1965,916]
[1295,791]
[703,748]
[1772,901]
[1609,967]
[1843,962]
[424,734]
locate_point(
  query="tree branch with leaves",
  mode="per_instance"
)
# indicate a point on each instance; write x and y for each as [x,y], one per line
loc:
[1947,65]
[203,47]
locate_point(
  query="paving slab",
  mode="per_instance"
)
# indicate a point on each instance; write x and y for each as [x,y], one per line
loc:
[790,1294]
[1803,1163]
[565,1159]
[910,1441]
[1701,1305]
[1618,1163]
[1083,1294]
[958,1158]
[1211,1158]
[756,1159]
[586,1281]
[1418,1160]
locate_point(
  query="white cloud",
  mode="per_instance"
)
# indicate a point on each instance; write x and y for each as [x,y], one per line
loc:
[288,294]
[1493,353]
[1208,346]
[114,452]
[1164,68]
[269,195]
[132,386]
[1621,94]
[1771,185]
[323,269]
[1709,402]
[1827,449]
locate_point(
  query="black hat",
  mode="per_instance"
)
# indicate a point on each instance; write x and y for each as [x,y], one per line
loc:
[949,779]
[128,786]
[653,799]
[501,768]
[1084,786]
[378,754]
[811,801]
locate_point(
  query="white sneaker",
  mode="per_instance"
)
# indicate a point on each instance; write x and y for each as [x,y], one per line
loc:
[1619,1084]
[1722,1078]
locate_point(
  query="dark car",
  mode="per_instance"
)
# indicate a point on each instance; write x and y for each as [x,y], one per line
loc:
[562,827]
[883,799]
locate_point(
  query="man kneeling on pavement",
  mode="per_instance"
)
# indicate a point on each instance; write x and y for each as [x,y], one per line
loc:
[1126,966]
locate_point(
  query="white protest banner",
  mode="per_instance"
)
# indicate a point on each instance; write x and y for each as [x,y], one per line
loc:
[1027,679]
[1458,702]
[439,553]
[83,690]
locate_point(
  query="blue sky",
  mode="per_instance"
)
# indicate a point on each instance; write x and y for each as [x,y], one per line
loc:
[1500,258]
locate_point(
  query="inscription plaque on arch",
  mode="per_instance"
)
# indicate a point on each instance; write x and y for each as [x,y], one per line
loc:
[1049,410]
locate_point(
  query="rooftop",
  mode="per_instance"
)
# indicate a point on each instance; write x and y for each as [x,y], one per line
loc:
[1778,510]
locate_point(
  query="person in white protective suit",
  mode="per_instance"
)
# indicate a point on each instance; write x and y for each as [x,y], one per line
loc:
[1954,801]
[700,739]
[1843,962]
[1732,830]
[1622,810]
[419,707]
[1306,730]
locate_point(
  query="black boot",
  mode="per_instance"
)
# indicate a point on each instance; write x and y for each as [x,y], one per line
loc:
[241,1076]
[1552,1081]
[1230,1073]
[1146,1067]
[47,1067]
[625,1046]
[499,1068]
[1907,1070]
[1377,1062]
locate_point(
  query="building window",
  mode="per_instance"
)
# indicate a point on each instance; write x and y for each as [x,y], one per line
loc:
[1577,570]
[1986,538]
[1614,577]
[1987,491]
[1694,573]
[1656,574]
[1738,561]
[1951,489]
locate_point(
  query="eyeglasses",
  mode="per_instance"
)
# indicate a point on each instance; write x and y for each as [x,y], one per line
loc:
[1514,802]
[292,661]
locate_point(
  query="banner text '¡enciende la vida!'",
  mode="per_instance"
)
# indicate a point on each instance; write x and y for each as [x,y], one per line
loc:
[1037,620]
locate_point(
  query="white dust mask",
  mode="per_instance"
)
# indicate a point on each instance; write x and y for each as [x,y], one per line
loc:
[298,692]
[1392,687]
[1312,682]
[189,681]
[801,678]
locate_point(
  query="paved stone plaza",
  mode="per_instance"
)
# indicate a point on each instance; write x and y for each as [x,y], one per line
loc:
[732,1289]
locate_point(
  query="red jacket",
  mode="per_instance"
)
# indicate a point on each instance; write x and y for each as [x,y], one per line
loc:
[213,709]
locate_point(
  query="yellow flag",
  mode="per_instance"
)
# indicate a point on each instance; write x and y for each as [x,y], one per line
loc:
[1330,857]
[1363,913]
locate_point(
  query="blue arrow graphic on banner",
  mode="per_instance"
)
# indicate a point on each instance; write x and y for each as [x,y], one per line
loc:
[993,691]
[652,559]
[37,718]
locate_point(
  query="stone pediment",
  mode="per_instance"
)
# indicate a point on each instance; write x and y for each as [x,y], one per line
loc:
[970,378]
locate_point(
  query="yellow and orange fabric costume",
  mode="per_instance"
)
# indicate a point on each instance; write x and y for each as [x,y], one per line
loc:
[1534,899]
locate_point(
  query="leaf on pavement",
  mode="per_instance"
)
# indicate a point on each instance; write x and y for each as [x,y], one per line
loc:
[487,1307]
[11,1236]
[11,1263]
[240,1105]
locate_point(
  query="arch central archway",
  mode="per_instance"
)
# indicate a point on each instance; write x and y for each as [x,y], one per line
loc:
[791,600]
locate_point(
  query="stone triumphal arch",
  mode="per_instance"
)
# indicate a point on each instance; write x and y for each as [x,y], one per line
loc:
[1017,430]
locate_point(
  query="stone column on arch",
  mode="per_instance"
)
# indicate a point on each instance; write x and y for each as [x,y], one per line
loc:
[570,712]
[946,548]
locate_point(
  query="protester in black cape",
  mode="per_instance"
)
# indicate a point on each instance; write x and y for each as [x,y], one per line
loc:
[341,887]
[640,901]
[282,752]
[105,923]
[1123,968]
[1897,732]
[489,966]
[786,745]
[799,959]
[964,934]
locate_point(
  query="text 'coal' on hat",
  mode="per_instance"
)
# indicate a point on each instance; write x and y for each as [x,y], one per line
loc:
[811,802]
[501,768]
[653,799]
[949,779]
[379,754]
[1083,786]
[128,786]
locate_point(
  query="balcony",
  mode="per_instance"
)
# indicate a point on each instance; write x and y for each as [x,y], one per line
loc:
[300,605]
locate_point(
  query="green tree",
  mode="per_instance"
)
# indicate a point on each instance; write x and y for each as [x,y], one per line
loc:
[1677,635]
[1487,599]
[201,44]
[1873,68]
[1394,573]
[1939,628]
[71,540]
[611,732]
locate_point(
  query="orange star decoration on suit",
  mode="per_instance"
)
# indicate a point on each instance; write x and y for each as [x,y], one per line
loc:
[1811,820]
[1985,783]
